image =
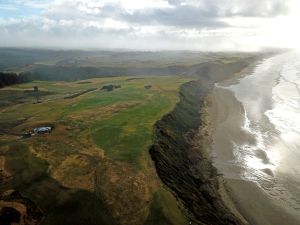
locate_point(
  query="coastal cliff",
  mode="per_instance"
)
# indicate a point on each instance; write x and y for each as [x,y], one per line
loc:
[181,163]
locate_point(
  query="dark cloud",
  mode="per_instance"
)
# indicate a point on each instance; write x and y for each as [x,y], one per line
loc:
[205,14]
[183,16]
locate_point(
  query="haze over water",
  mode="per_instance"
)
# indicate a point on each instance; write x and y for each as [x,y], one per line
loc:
[270,118]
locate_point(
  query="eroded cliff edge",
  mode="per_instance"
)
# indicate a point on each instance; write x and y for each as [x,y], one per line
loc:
[181,164]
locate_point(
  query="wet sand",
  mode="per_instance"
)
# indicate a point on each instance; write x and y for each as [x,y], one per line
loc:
[255,205]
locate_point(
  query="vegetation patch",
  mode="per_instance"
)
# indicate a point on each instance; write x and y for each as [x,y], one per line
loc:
[80,93]
[58,204]
[110,87]
[164,210]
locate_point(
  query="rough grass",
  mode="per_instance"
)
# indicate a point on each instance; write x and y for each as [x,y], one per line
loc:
[118,124]
[61,205]
[24,166]
[164,210]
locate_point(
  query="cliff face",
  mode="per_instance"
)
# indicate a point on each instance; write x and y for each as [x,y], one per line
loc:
[182,166]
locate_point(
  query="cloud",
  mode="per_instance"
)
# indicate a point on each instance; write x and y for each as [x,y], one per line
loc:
[169,24]
[183,16]
[229,8]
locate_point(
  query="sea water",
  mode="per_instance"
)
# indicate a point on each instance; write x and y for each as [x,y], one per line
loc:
[270,98]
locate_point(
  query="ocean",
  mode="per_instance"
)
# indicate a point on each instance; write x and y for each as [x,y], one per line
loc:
[265,147]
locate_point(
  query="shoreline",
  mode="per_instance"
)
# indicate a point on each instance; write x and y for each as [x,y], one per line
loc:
[251,201]
[184,166]
[206,131]
[182,162]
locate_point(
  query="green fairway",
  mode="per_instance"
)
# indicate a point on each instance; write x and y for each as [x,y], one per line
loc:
[126,135]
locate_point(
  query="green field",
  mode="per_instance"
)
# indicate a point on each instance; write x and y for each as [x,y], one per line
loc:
[96,160]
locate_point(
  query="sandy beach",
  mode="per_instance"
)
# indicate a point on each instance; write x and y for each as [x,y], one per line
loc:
[258,199]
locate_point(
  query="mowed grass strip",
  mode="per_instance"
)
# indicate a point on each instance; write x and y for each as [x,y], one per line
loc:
[103,98]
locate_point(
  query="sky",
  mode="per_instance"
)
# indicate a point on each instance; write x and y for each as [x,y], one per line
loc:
[207,25]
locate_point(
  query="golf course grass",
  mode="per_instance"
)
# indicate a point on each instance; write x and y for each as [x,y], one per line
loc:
[95,161]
